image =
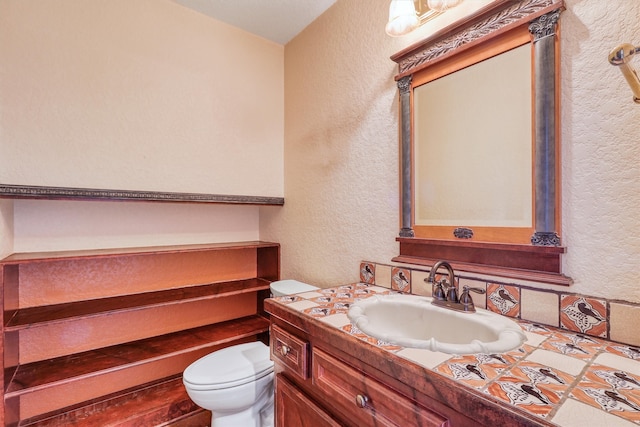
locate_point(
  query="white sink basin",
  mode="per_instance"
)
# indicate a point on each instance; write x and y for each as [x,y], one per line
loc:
[412,321]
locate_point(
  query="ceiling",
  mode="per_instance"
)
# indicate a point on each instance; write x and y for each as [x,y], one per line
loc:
[276,20]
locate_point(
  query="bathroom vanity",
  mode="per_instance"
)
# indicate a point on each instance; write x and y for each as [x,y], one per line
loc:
[331,374]
[315,377]
[328,377]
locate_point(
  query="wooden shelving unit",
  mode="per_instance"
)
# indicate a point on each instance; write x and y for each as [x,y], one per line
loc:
[85,332]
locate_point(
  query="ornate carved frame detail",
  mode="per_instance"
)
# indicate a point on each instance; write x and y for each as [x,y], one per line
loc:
[539,261]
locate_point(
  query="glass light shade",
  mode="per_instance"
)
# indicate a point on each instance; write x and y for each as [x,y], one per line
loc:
[442,5]
[402,18]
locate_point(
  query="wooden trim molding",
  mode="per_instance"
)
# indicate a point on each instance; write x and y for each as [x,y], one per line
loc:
[70,193]
[525,262]
[482,26]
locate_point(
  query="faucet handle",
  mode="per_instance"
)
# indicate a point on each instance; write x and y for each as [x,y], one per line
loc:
[452,291]
[437,291]
[465,297]
[476,290]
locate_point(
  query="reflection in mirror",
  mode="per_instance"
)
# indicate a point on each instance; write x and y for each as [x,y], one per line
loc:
[480,127]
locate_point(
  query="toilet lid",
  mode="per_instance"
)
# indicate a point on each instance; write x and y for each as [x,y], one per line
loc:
[231,366]
[289,287]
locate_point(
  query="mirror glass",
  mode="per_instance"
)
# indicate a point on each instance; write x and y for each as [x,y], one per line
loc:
[475,122]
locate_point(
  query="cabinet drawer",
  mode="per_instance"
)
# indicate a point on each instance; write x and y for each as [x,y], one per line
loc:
[365,400]
[290,351]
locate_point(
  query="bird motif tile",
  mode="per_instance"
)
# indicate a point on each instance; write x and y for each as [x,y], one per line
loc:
[624,351]
[401,279]
[503,299]
[368,272]
[575,345]
[583,314]
[612,390]
[338,300]
[531,386]
[287,299]
[472,370]
[353,330]
[536,328]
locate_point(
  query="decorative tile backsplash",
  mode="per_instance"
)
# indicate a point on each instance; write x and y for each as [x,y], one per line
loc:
[598,317]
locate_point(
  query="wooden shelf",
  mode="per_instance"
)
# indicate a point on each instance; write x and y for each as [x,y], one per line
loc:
[37,316]
[102,337]
[48,374]
[30,257]
[140,406]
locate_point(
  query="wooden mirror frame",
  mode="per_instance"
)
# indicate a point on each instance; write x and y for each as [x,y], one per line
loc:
[488,29]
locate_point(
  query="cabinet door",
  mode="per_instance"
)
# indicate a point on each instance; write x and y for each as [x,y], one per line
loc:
[293,408]
[366,401]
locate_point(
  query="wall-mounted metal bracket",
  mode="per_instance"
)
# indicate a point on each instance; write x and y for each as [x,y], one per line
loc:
[620,57]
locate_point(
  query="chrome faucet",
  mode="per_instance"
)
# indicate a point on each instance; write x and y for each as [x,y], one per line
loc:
[445,294]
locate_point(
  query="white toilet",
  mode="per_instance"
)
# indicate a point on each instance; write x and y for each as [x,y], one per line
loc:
[236,383]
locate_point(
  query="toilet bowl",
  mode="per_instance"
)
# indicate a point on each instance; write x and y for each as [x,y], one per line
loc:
[236,383]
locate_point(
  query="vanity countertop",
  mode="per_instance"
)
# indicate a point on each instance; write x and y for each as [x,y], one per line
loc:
[556,378]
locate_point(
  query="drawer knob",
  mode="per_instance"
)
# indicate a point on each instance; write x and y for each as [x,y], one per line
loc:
[284,350]
[362,400]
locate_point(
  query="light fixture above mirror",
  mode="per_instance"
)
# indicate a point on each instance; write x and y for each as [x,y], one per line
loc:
[402,18]
[407,15]
[441,5]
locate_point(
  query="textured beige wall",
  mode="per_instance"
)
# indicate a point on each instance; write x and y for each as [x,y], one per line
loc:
[143,95]
[52,225]
[341,150]
[6,227]
[140,95]
[601,151]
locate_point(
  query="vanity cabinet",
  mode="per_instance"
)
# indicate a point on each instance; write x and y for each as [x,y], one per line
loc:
[294,408]
[327,376]
[317,386]
[369,402]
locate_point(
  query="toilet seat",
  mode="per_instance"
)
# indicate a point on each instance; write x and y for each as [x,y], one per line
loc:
[230,367]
